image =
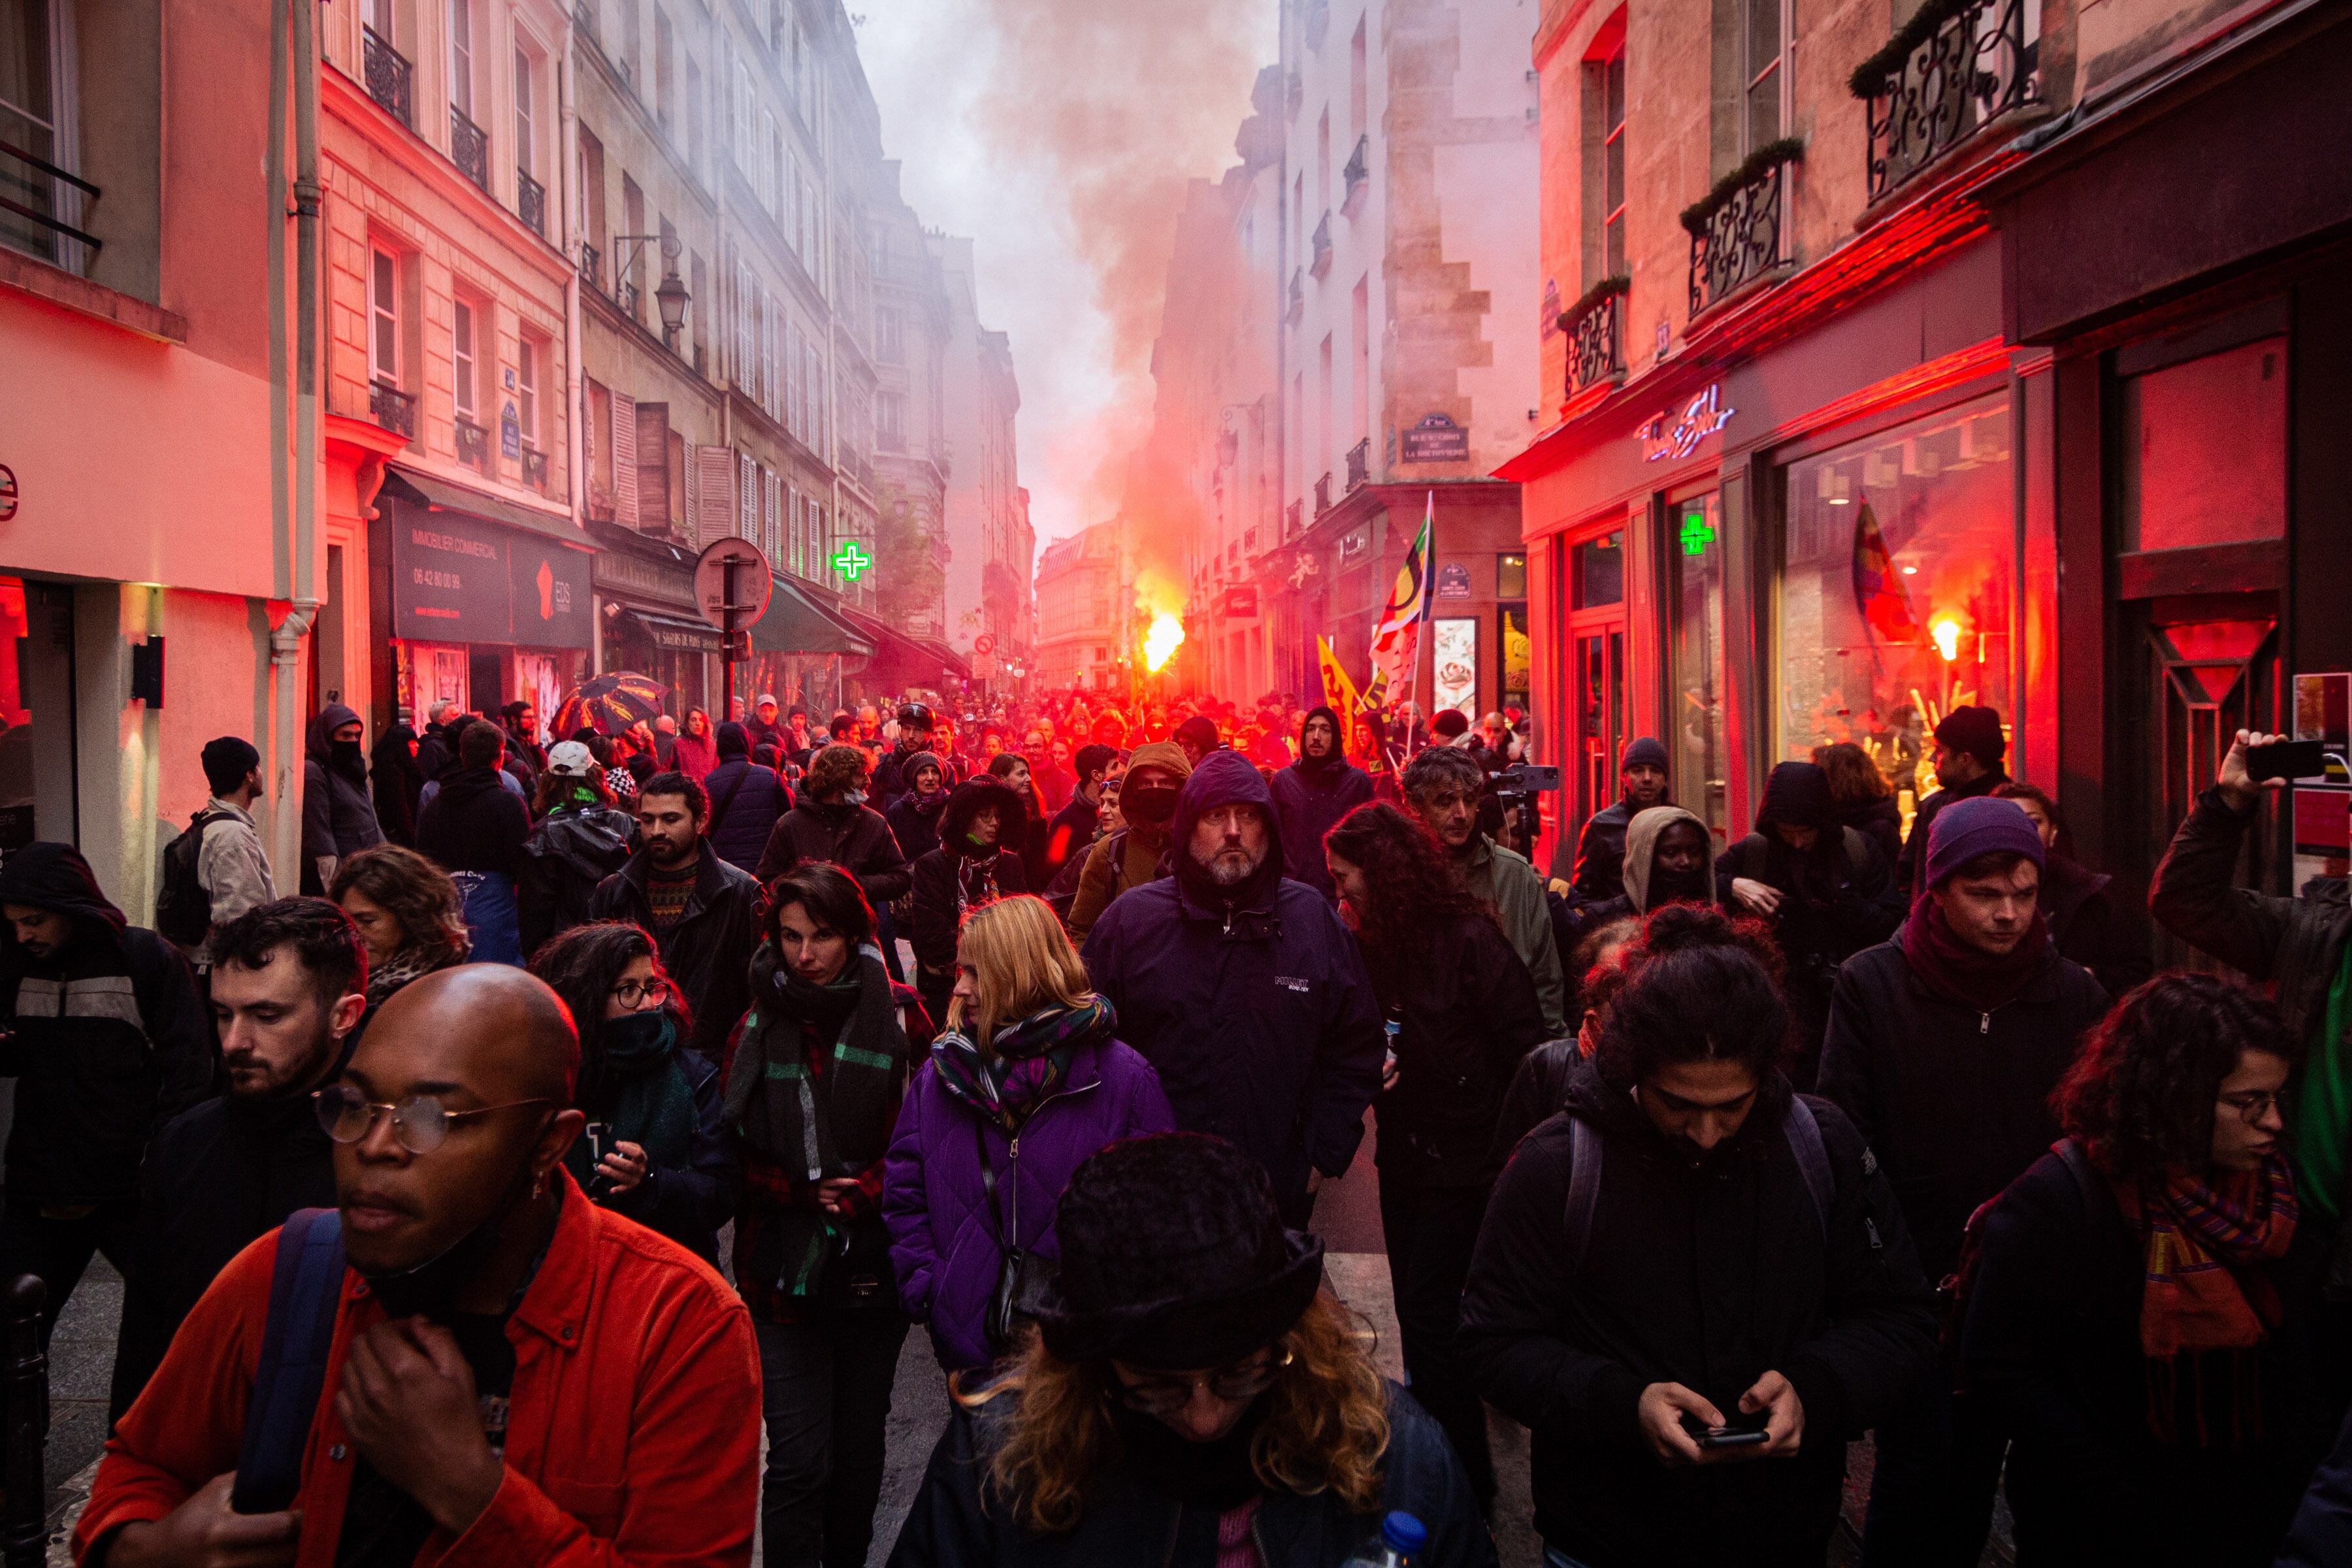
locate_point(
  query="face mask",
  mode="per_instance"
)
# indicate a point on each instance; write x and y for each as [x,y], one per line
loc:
[429,1287]
[854,796]
[640,1039]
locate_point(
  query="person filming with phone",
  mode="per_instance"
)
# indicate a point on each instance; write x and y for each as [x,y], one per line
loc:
[1694,1286]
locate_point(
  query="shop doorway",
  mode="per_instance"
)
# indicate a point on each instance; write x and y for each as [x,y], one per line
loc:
[37,715]
[1700,745]
[1593,587]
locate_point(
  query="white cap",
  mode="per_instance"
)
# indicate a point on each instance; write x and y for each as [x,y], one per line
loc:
[573,758]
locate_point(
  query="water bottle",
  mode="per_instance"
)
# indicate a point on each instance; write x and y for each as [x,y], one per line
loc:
[1401,1539]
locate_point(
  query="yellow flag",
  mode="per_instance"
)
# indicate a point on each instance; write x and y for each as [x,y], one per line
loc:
[1338,691]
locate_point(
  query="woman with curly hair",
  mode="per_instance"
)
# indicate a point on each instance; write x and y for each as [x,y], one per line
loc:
[1189,1398]
[2135,1319]
[654,1149]
[408,911]
[1461,1012]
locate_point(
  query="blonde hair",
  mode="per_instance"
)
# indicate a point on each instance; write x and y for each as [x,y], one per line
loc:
[1021,960]
[1326,1425]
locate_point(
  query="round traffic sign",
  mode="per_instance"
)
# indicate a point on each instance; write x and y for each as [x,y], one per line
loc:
[751,587]
[984,643]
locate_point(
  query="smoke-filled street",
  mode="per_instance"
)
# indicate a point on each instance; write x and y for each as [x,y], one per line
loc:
[1279,784]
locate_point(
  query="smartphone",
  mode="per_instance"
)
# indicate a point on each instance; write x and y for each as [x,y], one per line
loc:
[1748,1434]
[2287,760]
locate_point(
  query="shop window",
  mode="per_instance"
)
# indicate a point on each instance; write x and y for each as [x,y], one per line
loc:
[1702,752]
[37,688]
[1898,560]
[2204,450]
[1597,571]
[1511,576]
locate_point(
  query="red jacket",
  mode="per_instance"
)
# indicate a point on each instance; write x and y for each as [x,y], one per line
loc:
[632,1433]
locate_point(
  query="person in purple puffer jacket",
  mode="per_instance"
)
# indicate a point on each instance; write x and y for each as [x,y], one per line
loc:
[1026,1082]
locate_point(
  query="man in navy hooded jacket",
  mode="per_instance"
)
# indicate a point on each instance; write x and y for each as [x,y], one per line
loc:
[1243,990]
[1313,793]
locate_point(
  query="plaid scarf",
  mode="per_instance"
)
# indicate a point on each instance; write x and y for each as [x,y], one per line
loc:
[2204,1291]
[1025,1063]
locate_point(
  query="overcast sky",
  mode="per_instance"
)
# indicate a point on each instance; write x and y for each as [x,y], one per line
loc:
[1058,134]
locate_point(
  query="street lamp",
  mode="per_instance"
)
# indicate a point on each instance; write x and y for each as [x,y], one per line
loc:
[671,299]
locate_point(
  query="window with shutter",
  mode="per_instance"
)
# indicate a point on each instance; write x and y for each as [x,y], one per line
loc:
[625,459]
[717,515]
[743,298]
[680,518]
[747,496]
[690,469]
[793,558]
[653,468]
[769,503]
[791,419]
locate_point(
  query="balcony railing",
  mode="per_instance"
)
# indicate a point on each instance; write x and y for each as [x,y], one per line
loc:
[584,17]
[530,203]
[1291,518]
[45,204]
[1322,495]
[1360,463]
[592,265]
[473,443]
[534,466]
[391,408]
[1321,262]
[625,295]
[1595,326]
[469,148]
[1297,306]
[390,77]
[1953,70]
[1736,231]
[1356,175]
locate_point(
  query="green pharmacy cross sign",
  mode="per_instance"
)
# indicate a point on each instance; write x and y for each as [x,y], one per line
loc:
[1697,533]
[849,560]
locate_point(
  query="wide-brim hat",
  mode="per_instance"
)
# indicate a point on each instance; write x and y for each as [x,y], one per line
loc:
[1173,1258]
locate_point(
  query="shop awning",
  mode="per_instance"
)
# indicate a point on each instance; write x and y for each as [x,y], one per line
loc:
[951,661]
[908,653]
[435,494]
[674,634]
[795,623]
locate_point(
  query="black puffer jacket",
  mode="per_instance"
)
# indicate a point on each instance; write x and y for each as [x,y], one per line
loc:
[709,952]
[854,837]
[105,1037]
[1127,1521]
[1955,1101]
[475,824]
[947,879]
[1601,852]
[567,858]
[1706,1271]
[1469,1015]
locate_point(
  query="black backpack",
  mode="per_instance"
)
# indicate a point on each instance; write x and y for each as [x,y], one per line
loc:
[183,909]
[1952,1292]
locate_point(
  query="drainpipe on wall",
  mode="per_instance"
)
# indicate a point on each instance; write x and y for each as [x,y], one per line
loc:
[574,376]
[286,641]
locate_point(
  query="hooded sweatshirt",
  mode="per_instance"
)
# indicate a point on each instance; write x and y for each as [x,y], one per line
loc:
[105,1037]
[1642,837]
[955,877]
[399,784]
[1123,860]
[1311,795]
[914,818]
[338,818]
[1251,1001]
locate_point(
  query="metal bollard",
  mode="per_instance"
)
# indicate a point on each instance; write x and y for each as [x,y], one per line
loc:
[24,1525]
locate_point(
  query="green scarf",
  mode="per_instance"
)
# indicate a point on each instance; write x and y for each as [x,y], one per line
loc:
[2322,1100]
[644,1096]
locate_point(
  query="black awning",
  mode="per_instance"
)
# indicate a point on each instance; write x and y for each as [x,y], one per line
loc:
[436,494]
[796,623]
[674,635]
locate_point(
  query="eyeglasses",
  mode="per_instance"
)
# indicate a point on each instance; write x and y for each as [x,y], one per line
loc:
[1164,1395]
[2254,1106]
[630,992]
[421,1122]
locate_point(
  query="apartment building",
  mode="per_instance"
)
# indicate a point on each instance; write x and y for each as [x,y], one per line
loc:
[1086,624]
[990,543]
[911,455]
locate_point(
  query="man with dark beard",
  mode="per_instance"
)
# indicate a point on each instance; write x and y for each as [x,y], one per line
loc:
[1242,987]
[290,982]
[337,816]
[1313,793]
[490,1298]
[701,910]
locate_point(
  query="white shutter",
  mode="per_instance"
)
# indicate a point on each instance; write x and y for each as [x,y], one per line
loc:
[768,516]
[747,497]
[792,417]
[769,397]
[625,459]
[742,327]
[717,515]
[693,512]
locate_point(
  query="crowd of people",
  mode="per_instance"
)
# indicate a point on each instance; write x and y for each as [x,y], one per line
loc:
[586,1121]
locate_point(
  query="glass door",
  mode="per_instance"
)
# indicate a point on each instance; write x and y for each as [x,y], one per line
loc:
[1594,588]
[1701,751]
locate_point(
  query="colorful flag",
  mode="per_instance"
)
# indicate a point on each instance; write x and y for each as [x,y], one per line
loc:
[1878,591]
[1396,637]
[1338,691]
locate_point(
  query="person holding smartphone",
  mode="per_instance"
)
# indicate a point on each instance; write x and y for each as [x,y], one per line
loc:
[1694,1286]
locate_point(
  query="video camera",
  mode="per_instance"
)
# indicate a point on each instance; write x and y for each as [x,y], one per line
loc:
[1522,782]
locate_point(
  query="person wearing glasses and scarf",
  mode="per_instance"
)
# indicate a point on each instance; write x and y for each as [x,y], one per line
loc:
[812,1089]
[1190,1399]
[2136,1321]
[653,1148]
[1028,1081]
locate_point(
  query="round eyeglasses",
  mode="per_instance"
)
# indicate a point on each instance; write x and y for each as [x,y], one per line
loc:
[2253,1106]
[421,1122]
[1161,1395]
[630,994]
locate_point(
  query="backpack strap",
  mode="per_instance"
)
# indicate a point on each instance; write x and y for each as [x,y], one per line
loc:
[1802,1128]
[2087,1180]
[305,1293]
[1584,1147]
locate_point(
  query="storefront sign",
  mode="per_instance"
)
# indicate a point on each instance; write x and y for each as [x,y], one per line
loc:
[7,492]
[551,594]
[1356,541]
[1702,419]
[458,579]
[1453,581]
[1436,439]
[509,431]
[1455,653]
[850,560]
[1240,602]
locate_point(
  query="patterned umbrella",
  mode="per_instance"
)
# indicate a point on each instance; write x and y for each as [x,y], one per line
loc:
[610,703]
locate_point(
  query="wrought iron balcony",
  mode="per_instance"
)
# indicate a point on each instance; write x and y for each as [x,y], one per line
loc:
[44,205]
[534,466]
[1957,68]
[592,265]
[1360,463]
[1291,518]
[1595,326]
[1297,306]
[469,148]
[1322,495]
[390,77]
[1735,233]
[473,443]
[530,203]
[391,408]
[1321,259]
[1356,175]
[624,295]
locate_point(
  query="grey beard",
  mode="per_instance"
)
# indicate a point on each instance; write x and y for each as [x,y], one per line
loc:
[1224,874]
